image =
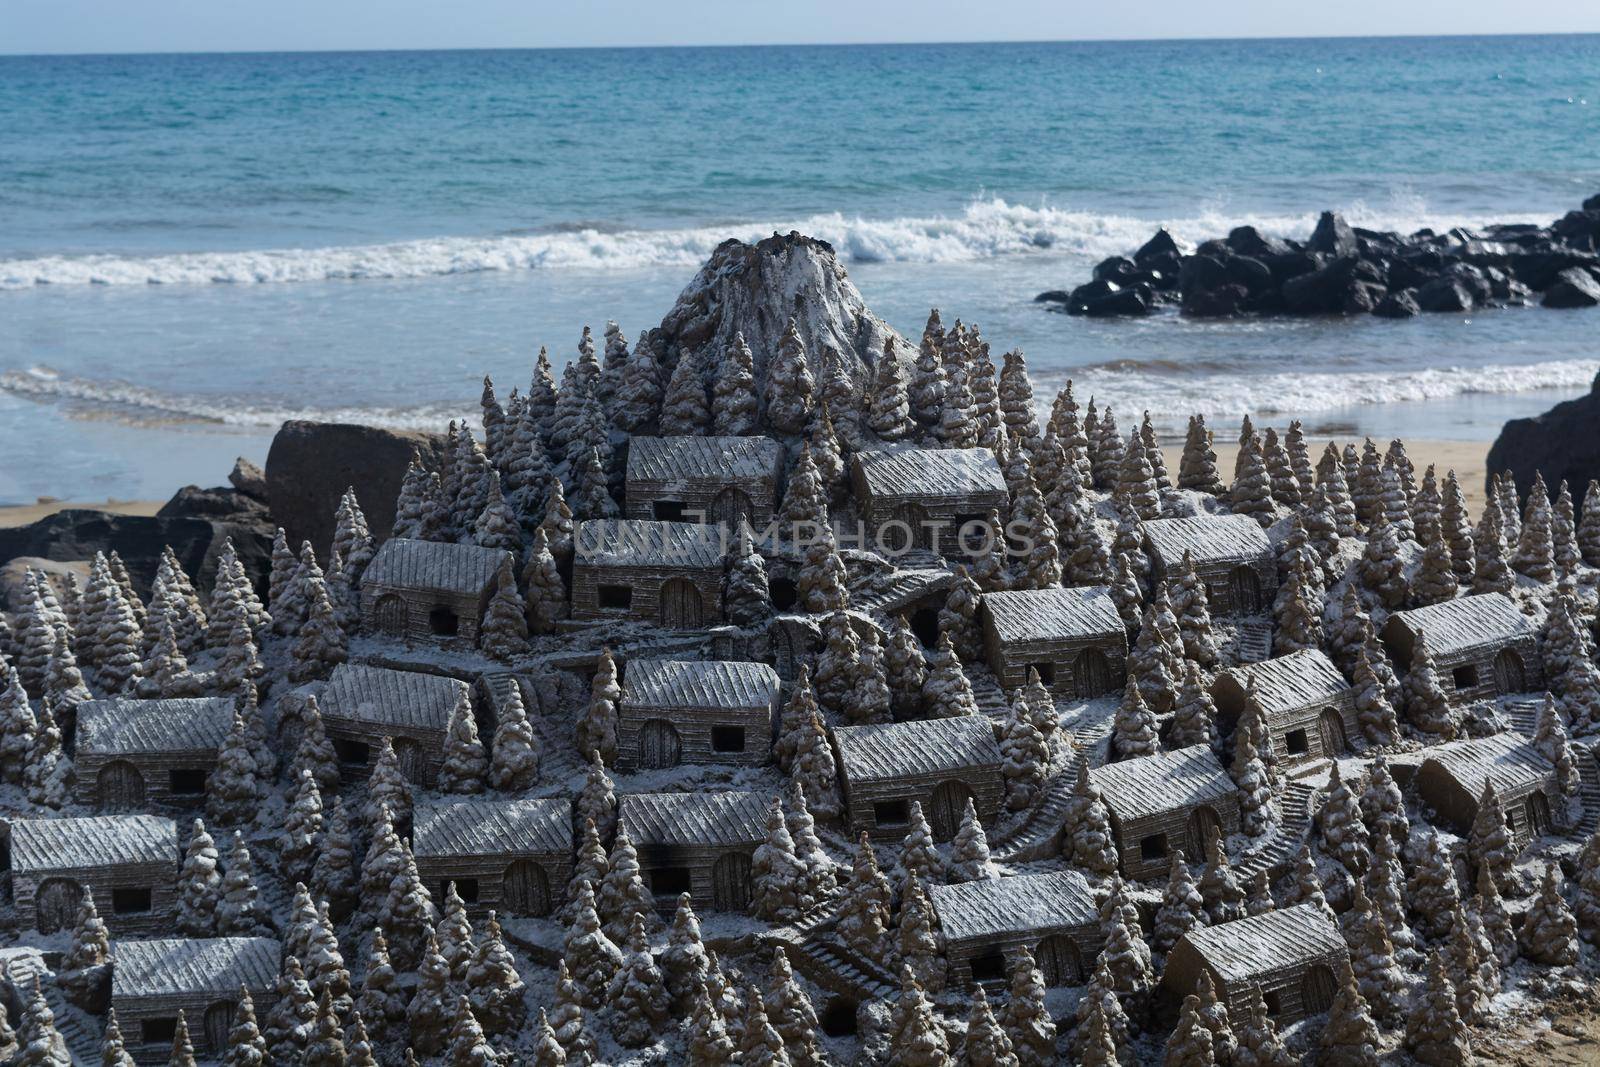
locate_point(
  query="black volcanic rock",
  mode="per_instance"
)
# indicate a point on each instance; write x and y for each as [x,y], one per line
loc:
[310,464]
[1333,236]
[1158,247]
[1574,287]
[1398,304]
[1563,443]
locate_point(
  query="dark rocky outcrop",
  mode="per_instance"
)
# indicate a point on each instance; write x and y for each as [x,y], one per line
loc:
[1564,443]
[1346,270]
[310,464]
[249,479]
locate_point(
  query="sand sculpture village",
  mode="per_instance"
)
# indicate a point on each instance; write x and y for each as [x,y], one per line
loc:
[775,690]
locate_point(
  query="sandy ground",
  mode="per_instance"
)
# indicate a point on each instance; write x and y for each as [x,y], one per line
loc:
[1466,458]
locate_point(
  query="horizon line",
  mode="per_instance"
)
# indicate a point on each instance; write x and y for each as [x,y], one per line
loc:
[1220,39]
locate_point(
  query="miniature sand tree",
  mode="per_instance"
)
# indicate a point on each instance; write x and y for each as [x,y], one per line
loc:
[515,753]
[870,701]
[1341,833]
[637,402]
[238,914]
[1350,1038]
[1190,1044]
[889,401]
[1089,561]
[1100,1021]
[1489,843]
[86,966]
[759,1043]
[821,880]
[1126,956]
[546,598]
[494,988]
[1435,1033]
[165,672]
[381,1002]
[1025,1017]
[326,1045]
[1194,718]
[113,1050]
[597,729]
[838,666]
[557,523]
[1433,890]
[685,965]
[969,850]
[1087,840]
[958,418]
[733,391]
[1474,985]
[1258,1042]
[234,789]
[1428,708]
[791,1014]
[408,913]
[1382,804]
[467,1044]
[64,686]
[1182,908]
[466,765]
[387,789]
[1025,754]
[547,1050]
[1041,567]
[1297,614]
[827,453]
[686,410]
[315,753]
[247,1047]
[1134,730]
[1395,505]
[918,853]
[622,895]
[1375,715]
[1150,664]
[1197,466]
[1549,933]
[116,645]
[1136,482]
[1586,903]
[1550,738]
[288,1024]
[864,915]
[18,727]
[321,643]
[1386,887]
[597,800]
[1535,554]
[1491,566]
[1251,493]
[1219,887]
[987,1044]
[379,867]
[590,956]
[1381,570]
[790,387]
[1285,487]
[1257,803]
[746,596]
[567,1017]
[820,585]
[777,874]
[904,668]
[1108,450]
[917,1039]
[454,931]
[591,494]
[504,634]
[1378,977]
[709,1042]
[1305,883]
[49,775]
[927,379]
[199,885]
[947,694]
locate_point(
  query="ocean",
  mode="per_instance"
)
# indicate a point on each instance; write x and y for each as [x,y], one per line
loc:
[193,248]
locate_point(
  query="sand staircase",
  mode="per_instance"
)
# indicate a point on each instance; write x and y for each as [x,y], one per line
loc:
[1036,836]
[1588,792]
[1524,715]
[1278,853]
[817,952]
[1253,640]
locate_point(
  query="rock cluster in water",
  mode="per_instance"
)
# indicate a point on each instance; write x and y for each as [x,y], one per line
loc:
[1347,270]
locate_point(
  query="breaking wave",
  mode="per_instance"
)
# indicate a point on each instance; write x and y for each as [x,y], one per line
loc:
[987,228]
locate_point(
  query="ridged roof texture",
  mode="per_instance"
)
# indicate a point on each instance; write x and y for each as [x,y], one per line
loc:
[490,827]
[929,746]
[1286,683]
[93,841]
[1207,539]
[1154,785]
[991,907]
[1465,623]
[197,724]
[718,819]
[932,472]
[720,459]
[1510,760]
[1054,613]
[359,693]
[670,683]
[403,563]
[648,543]
[187,966]
[1244,948]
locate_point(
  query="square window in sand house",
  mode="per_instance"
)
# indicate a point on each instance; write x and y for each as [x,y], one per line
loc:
[189,781]
[616,597]
[352,752]
[1297,742]
[1153,847]
[989,967]
[668,510]
[158,1031]
[130,901]
[727,739]
[668,882]
[891,812]
[1465,676]
[466,889]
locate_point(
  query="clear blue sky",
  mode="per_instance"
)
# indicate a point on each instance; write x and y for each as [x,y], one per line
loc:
[291,25]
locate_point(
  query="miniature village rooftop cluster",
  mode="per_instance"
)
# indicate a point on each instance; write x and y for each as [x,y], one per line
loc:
[1208,768]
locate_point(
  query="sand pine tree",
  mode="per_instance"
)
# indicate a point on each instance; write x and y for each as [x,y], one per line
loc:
[335,875]
[1376,716]
[1436,582]
[49,776]
[790,387]
[969,850]
[1305,883]
[1297,614]
[1197,467]
[1024,752]
[733,392]
[871,701]
[746,597]
[917,1039]
[622,895]
[686,410]
[1194,718]
[636,404]
[1381,569]
[1258,1042]
[1251,493]
[234,789]
[116,644]
[113,1050]
[838,666]
[238,914]
[1341,833]
[637,995]
[591,956]
[1182,908]
[1100,1019]
[1350,1038]
[1550,738]
[199,885]
[685,964]
[1134,730]
[1219,886]
[864,915]
[1190,1044]
[987,1044]
[1108,451]
[504,633]
[546,598]
[597,730]
[1428,708]
[905,668]
[777,874]
[1588,531]
[889,402]
[1489,843]
[597,800]
[947,694]
[1472,968]
[709,1043]
[1535,554]
[1087,840]
[387,788]
[321,643]
[1285,486]
[790,1013]
[1257,803]
[86,966]
[820,586]
[821,880]
[19,727]
[1549,933]
[1432,889]
[494,989]
[1435,1033]
[759,1044]
[466,765]
[515,753]
[1192,607]
[428,1014]
[1093,1042]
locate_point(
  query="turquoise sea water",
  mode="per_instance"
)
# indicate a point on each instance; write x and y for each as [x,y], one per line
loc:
[192,247]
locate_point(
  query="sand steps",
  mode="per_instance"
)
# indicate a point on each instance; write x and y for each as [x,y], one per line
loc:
[1253,640]
[1277,854]
[834,967]
[1037,836]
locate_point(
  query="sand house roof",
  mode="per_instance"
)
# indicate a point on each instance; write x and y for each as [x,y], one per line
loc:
[403,563]
[1053,614]
[727,818]
[666,459]
[384,697]
[211,966]
[1207,539]
[1170,781]
[1244,948]
[483,827]
[1286,683]
[670,683]
[648,543]
[165,725]
[995,907]
[909,749]
[923,473]
[92,841]
[1509,760]
[1466,623]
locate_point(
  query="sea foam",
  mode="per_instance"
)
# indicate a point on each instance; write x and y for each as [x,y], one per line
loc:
[987,228]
